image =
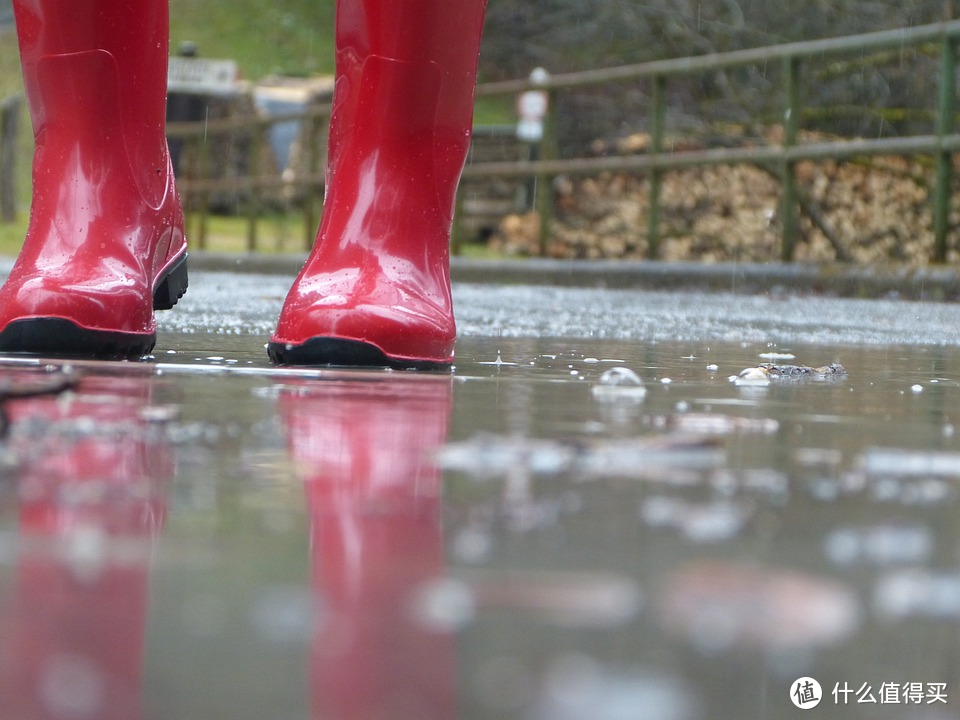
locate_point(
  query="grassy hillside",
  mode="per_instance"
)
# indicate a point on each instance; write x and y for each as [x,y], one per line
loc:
[293,37]
[284,36]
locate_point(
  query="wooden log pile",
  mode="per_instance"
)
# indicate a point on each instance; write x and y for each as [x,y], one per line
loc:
[870,211]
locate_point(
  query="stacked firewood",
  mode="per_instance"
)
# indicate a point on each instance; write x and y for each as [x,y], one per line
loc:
[871,211]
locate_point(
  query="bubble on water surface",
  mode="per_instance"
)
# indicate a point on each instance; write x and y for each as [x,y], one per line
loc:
[619,383]
[755,377]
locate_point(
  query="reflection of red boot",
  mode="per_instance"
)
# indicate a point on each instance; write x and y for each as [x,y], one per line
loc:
[105,244]
[91,503]
[376,289]
[374,503]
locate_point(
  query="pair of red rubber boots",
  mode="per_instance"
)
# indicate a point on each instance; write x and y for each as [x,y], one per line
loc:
[105,246]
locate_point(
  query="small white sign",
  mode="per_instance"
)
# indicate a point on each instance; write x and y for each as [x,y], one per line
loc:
[532,108]
[532,105]
[199,75]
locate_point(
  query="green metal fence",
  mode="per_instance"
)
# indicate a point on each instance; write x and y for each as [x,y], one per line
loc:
[939,145]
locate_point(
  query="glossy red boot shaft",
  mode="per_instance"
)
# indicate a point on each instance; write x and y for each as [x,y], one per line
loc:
[105,244]
[376,288]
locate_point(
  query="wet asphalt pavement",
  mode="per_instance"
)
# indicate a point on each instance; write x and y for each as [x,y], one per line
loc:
[248,303]
[202,535]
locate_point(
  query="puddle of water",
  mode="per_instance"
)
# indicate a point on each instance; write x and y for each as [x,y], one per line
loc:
[501,541]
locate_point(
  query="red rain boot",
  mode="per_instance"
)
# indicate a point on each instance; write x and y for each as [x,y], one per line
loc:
[376,288]
[105,245]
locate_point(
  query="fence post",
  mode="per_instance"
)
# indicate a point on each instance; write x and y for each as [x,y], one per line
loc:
[657,123]
[945,113]
[258,141]
[312,129]
[791,123]
[544,204]
[203,163]
[9,117]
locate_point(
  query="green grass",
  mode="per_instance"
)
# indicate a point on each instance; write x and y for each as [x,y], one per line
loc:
[293,37]
[11,235]
[276,233]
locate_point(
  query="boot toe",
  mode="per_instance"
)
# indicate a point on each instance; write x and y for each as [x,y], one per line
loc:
[364,335]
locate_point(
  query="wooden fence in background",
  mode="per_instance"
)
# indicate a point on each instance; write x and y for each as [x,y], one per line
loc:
[259,188]
[9,125]
[940,145]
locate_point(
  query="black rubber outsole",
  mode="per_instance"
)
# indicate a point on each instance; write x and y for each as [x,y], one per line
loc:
[172,285]
[336,352]
[63,338]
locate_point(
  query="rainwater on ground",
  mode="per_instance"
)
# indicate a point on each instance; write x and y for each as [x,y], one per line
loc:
[534,536]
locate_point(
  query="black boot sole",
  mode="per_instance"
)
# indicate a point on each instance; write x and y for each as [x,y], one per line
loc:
[171,285]
[336,352]
[63,338]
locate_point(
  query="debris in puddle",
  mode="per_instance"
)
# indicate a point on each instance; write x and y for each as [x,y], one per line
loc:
[766,372]
[777,356]
[879,545]
[493,456]
[722,606]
